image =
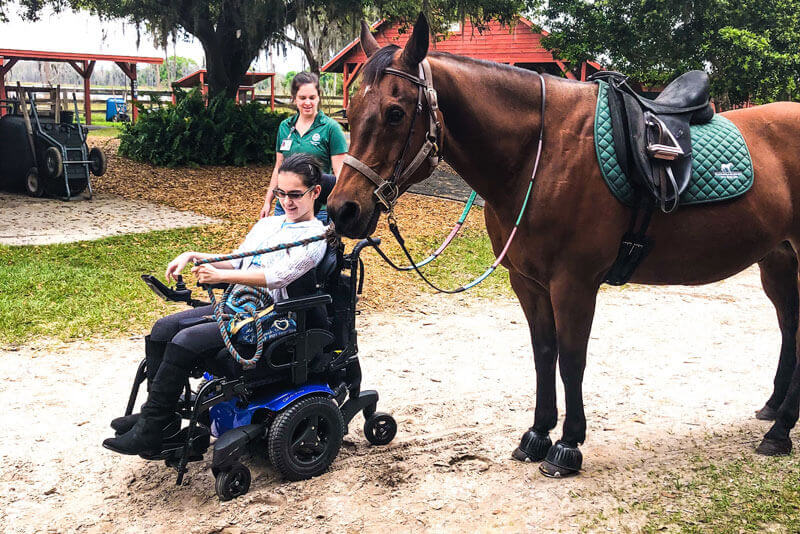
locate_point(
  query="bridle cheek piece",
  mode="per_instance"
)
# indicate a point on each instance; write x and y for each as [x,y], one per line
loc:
[388,191]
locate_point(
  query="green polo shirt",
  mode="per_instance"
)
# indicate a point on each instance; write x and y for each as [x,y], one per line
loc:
[323,140]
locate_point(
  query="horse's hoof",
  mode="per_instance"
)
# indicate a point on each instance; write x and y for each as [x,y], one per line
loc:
[774,447]
[766,414]
[533,446]
[561,461]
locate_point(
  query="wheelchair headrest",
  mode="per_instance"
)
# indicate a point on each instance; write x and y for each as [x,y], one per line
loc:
[328,182]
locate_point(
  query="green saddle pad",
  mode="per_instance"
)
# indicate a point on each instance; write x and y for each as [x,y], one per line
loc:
[721,165]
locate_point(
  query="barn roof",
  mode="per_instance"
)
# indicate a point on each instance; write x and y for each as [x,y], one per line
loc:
[198,77]
[519,45]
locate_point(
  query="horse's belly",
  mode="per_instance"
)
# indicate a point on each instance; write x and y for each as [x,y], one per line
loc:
[704,244]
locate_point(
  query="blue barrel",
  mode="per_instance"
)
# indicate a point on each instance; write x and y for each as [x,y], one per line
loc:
[114,105]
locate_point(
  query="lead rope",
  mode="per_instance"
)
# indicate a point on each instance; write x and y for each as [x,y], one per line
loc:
[247,295]
[445,243]
[396,231]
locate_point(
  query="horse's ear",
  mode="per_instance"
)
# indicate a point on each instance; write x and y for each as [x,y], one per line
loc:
[417,47]
[368,42]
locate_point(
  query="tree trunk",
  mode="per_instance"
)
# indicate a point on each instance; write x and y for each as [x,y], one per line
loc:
[226,66]
[228,55]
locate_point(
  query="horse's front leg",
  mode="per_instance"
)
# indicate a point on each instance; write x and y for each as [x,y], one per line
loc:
[573,301]
[535,303]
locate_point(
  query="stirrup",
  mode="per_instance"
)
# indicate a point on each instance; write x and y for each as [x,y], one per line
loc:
[660,150]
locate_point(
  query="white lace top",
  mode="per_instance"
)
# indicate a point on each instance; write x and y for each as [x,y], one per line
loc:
[282,267]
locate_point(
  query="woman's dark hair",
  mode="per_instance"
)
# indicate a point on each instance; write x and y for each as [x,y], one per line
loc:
[302,78]
[304,165]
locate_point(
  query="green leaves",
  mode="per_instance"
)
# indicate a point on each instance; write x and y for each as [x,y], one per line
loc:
[749,47]
[191,133]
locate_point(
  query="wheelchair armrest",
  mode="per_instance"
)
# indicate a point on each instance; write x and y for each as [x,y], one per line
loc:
[302,303]
[220,285]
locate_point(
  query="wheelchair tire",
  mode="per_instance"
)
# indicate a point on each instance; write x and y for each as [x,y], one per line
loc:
[305,438]
[232,483]
[380,428]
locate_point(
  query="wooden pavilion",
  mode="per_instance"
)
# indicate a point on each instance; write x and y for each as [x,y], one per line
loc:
[83,64]
[248,84]
[520,46]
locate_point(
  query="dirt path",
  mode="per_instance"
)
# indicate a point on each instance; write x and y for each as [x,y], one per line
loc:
[42,221]
[672,372]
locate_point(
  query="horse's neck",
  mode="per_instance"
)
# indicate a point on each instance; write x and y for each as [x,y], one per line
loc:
[491,123]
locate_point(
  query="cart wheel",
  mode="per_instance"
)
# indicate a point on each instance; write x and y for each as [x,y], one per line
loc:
[380,428]
[98,163]
[305,438]
[53,162]
[33,185]
[232,483]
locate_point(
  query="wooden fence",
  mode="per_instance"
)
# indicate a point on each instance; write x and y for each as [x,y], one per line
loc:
[148,97]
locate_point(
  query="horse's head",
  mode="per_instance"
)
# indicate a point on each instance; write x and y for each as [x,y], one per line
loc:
[394,132]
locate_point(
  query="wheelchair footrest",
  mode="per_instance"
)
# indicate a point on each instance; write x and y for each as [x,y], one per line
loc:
[366,402]
[173,447]
[233,443]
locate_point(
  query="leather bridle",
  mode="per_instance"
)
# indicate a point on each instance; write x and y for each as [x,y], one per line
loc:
[387,191]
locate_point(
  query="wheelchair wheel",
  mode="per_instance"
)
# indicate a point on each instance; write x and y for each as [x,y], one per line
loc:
[232,483]
[305,438]
[380,428]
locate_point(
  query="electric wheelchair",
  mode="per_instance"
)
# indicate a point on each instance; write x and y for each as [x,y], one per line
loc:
[297,403]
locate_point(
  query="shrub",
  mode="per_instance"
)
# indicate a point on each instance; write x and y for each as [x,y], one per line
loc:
[191,133]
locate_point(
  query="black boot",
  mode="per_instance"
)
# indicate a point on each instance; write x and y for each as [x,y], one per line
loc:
[153,354]
[146,436]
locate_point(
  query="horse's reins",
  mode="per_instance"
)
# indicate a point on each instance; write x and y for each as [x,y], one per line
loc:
[430,149]
[256,296]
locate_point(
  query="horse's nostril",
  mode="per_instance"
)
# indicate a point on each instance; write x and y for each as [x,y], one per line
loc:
[349,213]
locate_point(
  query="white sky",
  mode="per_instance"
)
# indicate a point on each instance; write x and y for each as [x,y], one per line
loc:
[84,33]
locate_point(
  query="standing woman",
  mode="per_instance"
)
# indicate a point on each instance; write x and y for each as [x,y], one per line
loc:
[312,132]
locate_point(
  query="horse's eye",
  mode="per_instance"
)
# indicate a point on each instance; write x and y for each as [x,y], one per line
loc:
[395,115]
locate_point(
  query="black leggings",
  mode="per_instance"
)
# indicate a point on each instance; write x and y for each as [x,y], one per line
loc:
[190,331]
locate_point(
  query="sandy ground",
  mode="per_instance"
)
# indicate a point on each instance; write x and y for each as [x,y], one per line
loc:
[672,372]
[40,221]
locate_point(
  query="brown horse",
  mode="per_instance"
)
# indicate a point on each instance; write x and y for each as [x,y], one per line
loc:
[571,229]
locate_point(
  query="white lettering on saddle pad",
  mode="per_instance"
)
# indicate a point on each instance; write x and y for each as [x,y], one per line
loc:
[726,171]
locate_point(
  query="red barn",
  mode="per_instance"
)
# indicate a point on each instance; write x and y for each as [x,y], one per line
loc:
[520,46]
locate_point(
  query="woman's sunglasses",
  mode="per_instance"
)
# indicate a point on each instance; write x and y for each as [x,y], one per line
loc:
[294,195]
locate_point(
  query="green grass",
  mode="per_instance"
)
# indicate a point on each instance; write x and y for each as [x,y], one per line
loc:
[81,289]
[467,257]
[105,132]
[99,119]
[78,290]
[746,494]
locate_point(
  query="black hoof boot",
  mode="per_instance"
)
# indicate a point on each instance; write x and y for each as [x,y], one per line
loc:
[774,447]
[533,446]
[766,413]
[561,461]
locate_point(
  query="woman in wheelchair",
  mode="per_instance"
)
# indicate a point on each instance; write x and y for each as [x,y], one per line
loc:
[180,342]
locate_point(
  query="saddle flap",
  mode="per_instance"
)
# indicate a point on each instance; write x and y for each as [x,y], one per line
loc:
[651,139]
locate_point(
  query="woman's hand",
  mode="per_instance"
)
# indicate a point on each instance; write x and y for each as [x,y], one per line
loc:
[208,274]
[177,265]
[266,208]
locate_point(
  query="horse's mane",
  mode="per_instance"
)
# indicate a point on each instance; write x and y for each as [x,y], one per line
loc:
[501,67]
[384,57]
[377,63]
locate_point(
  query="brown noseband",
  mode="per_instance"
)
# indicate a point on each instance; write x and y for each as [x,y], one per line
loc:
[387,191]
